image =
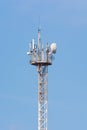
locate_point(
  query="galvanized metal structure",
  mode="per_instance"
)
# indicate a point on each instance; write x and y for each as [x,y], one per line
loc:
[42,57]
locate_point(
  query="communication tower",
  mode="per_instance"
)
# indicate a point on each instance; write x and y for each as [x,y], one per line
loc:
[42,57]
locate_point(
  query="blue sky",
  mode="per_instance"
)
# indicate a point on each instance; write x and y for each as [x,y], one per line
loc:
[64,22]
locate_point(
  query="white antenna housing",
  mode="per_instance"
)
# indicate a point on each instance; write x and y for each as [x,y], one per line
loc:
[53,47]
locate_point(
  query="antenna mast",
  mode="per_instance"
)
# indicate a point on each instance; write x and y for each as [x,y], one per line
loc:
[42,57]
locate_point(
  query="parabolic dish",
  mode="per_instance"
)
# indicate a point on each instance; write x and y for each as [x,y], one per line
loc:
[53,47]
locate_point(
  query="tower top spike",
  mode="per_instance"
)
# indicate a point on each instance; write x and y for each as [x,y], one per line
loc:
[39,26]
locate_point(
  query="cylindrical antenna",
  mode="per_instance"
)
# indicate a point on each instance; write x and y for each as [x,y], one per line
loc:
[39,42]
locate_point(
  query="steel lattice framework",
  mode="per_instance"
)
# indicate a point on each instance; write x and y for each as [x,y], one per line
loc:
[42,97]
[41,57]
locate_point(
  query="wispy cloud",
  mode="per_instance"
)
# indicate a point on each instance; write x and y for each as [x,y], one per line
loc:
[68,12]
[15,127]
[24,100]
[63,5]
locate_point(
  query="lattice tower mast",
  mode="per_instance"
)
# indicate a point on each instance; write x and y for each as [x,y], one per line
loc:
[42,57]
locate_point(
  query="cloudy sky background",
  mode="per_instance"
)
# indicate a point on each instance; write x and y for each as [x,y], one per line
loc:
[64,22]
